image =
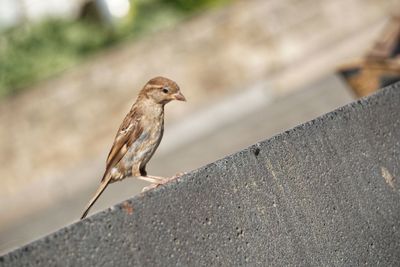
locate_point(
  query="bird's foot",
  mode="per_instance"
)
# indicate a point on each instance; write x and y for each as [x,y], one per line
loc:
[179,174]
[157,181]
[155,184]
[149,187]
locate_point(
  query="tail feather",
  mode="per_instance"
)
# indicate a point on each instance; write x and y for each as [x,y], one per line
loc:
[99,191]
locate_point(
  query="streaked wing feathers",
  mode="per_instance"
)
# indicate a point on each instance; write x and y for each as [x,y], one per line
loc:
[128,132]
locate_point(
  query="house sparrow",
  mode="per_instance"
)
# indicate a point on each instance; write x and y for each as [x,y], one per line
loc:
[139,136]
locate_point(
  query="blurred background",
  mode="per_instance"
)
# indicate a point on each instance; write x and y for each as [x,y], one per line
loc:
[70,70]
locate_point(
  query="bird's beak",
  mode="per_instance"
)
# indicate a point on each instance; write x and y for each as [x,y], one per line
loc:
[179,96]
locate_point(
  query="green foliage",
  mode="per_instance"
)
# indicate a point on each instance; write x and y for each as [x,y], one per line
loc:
[193,5]
[33,52]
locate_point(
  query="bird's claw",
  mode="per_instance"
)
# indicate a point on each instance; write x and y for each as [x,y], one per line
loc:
[164,181]
[155,185]
[149,187]
[179,174]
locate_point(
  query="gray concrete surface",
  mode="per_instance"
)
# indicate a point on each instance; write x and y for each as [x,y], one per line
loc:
[323,193]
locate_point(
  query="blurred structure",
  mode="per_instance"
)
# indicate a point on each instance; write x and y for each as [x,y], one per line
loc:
[15,12]
[105,11]
[381,64]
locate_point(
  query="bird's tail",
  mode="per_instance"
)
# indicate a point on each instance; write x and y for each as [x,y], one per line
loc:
[100,190]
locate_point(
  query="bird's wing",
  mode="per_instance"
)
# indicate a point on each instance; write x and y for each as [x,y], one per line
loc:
[128,132]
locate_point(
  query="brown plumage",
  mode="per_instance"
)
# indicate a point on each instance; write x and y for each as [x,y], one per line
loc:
[139,136]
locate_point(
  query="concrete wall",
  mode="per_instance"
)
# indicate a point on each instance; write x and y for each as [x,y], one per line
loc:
[323,193]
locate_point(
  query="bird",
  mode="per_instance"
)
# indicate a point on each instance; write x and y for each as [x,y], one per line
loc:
[139,136]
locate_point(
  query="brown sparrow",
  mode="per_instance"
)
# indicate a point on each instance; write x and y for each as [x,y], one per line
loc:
[139,136]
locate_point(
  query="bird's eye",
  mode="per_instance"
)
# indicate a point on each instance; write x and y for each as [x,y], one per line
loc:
[165,90]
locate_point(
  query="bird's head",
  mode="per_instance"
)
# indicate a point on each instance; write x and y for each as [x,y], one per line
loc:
[162,90]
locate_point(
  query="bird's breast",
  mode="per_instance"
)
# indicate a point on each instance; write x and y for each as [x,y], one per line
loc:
[143,148]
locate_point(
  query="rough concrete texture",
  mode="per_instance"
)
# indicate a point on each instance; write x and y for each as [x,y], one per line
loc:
[324,193]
